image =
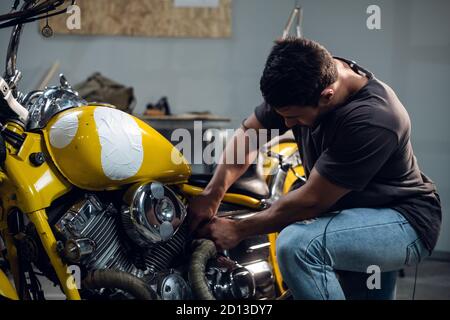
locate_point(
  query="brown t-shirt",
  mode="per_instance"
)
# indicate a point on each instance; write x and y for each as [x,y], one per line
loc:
[364,145]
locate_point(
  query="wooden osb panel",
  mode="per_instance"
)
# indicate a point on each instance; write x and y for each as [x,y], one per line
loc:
[151,18]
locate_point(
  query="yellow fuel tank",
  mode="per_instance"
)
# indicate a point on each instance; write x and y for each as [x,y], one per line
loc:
[101,148]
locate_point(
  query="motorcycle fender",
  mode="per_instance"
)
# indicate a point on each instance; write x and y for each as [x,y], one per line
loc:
[6,288]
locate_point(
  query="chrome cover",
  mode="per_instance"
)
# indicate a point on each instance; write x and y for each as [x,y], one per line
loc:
[155,214]
[52,101]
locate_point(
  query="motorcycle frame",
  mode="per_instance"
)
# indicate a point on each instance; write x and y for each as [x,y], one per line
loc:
[30,190]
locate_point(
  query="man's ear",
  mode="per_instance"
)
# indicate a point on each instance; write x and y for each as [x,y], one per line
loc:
[326,95]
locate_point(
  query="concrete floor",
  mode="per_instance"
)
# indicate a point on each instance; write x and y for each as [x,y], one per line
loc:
[433,283]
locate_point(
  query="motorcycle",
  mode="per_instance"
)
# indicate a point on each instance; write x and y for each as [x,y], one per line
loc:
[95,200]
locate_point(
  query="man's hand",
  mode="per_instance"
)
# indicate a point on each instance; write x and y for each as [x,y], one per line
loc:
[201,210]
[224,232]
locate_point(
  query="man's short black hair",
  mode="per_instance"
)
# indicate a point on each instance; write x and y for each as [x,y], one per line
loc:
[296,72]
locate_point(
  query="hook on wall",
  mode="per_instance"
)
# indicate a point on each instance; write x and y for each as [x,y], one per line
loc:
[47,31]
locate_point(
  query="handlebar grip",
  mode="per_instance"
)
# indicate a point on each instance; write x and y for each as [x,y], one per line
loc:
[15,106]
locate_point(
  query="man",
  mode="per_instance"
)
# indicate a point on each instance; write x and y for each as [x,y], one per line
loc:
[365,201]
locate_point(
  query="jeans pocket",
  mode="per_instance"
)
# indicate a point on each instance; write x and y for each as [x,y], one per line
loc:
[414,253]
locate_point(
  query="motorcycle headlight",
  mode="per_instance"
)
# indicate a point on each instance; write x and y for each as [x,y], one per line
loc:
[154,214]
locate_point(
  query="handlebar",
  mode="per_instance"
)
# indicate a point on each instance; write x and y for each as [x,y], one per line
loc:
[31,10]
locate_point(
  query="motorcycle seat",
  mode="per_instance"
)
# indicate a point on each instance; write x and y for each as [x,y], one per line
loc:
[251,183]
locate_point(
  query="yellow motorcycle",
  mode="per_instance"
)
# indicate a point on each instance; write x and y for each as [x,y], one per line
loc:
[94,200]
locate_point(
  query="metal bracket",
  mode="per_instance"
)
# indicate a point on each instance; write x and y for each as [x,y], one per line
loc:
[296,13]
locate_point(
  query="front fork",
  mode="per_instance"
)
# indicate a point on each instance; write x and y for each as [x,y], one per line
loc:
[67,281]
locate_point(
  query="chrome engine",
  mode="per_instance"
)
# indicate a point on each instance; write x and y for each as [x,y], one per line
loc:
[154,214]
[144,237]
[92,237]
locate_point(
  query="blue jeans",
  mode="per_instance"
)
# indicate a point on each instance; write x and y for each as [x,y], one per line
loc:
[309,252]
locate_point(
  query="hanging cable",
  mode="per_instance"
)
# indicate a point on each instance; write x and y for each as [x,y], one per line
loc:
[415,281]
[37,13]
[325,254]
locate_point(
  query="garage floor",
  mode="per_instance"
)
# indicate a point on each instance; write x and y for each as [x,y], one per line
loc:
[433,282]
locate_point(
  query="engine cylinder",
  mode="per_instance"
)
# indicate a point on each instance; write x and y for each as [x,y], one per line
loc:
[161,255]
[89,220]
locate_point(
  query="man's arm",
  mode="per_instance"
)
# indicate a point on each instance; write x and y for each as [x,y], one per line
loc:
[314,198]
[204,206]
[229,170]
[309,201]
[358,153]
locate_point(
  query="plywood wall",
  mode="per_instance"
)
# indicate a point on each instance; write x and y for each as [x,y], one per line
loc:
[151,18]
